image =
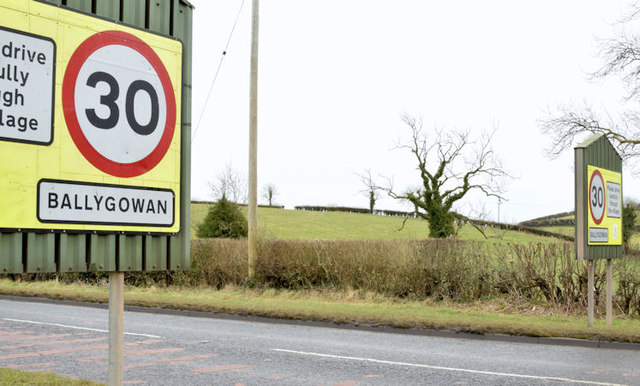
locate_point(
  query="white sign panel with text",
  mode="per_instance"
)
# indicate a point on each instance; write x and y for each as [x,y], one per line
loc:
[27,69]
[72,202]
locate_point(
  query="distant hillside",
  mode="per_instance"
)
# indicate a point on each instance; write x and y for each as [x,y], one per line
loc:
[554,220]
[307,224]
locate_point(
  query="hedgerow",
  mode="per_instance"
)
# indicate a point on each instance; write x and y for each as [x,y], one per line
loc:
[449,269]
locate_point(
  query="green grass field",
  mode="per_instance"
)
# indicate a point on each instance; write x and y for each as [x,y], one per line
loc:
[563,230]
[297,224]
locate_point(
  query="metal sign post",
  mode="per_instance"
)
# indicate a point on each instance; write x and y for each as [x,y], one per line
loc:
[598,200]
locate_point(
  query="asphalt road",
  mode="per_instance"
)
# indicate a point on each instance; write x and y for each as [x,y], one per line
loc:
[185,350]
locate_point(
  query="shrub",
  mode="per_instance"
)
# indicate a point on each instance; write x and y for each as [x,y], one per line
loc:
[627,270]
[628,221]
[224,220]
[546,273]
[218,262]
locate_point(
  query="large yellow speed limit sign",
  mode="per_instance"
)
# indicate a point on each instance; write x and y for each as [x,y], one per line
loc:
[90,130]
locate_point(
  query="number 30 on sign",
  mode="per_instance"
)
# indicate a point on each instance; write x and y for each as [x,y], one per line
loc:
[119,104]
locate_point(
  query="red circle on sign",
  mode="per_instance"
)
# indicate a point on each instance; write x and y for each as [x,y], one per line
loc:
[77,60]
[595,174]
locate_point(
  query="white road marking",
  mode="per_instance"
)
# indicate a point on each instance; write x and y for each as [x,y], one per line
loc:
[537,377]
[77,327]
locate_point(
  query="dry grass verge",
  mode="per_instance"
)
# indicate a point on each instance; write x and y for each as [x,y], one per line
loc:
[352,307]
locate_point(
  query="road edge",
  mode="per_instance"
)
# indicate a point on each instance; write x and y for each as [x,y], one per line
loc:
[555,341]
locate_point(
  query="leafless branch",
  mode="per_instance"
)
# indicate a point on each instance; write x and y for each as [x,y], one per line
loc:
[230,184]
[571,123]
[621,57]
[404,221]
[479,220]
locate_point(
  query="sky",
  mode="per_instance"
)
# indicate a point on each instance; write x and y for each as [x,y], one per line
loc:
[335,76]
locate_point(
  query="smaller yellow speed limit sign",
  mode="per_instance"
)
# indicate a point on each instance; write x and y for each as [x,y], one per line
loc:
[605,206]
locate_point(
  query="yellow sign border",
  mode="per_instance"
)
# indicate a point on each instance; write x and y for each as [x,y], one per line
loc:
[613,225]
[24,165]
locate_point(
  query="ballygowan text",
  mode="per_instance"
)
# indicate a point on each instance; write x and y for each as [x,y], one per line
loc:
[108,203]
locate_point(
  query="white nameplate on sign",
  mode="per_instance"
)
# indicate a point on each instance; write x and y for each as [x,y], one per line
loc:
[598,235]
[87,203]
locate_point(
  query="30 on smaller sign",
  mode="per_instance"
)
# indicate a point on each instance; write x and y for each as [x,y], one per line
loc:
[605,206]
[596,197]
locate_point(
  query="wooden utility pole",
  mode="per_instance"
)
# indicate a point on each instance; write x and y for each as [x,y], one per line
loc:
[253,143]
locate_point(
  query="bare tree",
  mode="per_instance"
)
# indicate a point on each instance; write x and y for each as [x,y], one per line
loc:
[269,191]
[449,165]
[229,184]
[621,57]
[371,191]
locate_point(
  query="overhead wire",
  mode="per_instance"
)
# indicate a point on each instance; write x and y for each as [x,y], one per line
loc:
[215,77]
